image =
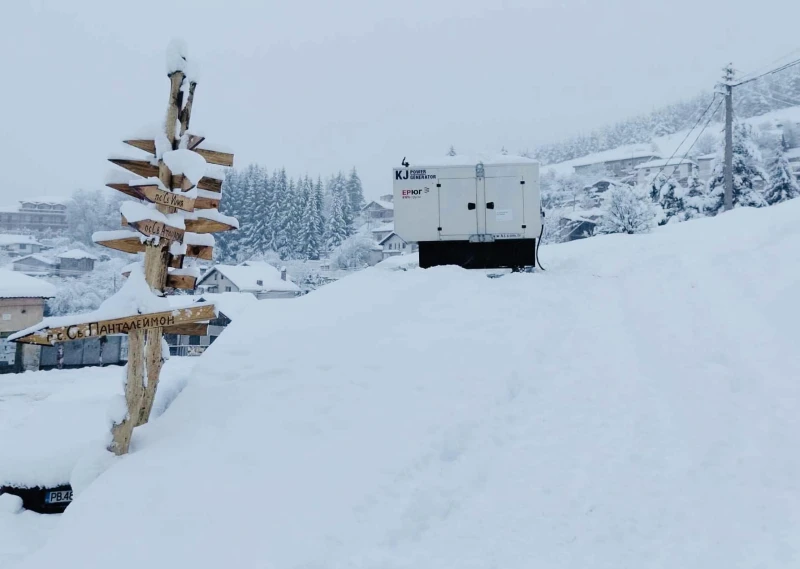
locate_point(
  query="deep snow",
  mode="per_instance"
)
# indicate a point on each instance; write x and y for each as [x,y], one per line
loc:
[635,406]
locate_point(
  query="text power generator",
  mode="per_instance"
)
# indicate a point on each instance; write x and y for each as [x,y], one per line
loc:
[481,215]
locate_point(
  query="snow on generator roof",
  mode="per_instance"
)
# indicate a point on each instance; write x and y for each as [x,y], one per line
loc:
[636,406]
[17,285]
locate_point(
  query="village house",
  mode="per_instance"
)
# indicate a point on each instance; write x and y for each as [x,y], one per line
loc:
[15,245]
[44,214]
[618,162]
[230,305]
[36,265]
[22,304]
[705,166]
[382,231]
[260,279]
[394,245]
[378,211]
[677,168]
[75,262]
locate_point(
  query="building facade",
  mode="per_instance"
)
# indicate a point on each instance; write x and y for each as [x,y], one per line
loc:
[35,215]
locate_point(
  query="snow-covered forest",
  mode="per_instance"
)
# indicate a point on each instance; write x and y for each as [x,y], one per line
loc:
[299,218]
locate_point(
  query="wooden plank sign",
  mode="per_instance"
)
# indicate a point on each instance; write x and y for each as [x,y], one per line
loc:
[202,202]
[147,170]
[124,244]
[156,229]
[196,329]
[183,282]
[205,225]
[128,190]
[50,336]
[170,199]
[211,156]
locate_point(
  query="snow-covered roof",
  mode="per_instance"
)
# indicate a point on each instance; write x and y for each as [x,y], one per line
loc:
[50,200]
[392,234]
[18,285]
[615,155]
[590,215]
[793,153]
[383,228]
[663,163]
[383,204]
[707,156]
[246,276]
[77,254]
[14,239]
[36,257]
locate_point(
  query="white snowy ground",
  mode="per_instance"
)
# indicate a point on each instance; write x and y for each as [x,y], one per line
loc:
[49,421]
[635,406]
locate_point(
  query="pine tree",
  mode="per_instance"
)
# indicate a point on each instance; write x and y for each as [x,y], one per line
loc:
[311,230]
[255,202]
[782,184]
[746,170]
[288,222]
[336,229]
[230,204]
[355,193]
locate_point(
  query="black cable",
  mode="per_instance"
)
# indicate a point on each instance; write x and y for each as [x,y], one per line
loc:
[536,253]
[777,69]
[685,138]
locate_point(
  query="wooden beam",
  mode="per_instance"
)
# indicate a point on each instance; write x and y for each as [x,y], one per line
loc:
[196,329]
[171,199]
[210,184]
[206,203]
[125,244]
[132,191]
[205,252]
[204,225]
[139,167]
[215,157]
[49,336]
[156,229]
[212,156]
[183,282]
[143,144]
[195,141]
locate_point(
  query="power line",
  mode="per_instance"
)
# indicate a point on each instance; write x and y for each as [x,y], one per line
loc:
[685,138]
[770,64]
[776,70]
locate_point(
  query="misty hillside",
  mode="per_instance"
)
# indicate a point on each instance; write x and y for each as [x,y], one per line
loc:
[770,93]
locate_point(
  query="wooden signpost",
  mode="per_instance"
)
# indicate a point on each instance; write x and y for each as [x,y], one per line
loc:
[158,241]
[50,336]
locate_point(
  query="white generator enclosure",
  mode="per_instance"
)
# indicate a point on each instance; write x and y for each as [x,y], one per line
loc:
[483,214]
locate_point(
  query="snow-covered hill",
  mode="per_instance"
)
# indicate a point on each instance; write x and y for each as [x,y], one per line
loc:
[637,405]
[677,143]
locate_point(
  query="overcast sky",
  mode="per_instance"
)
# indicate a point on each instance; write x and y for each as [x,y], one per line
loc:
[322,86]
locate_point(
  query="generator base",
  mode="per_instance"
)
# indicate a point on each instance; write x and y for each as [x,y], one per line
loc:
[501,254]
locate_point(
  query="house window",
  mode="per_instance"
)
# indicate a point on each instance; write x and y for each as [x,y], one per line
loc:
[227,289]
[194,340]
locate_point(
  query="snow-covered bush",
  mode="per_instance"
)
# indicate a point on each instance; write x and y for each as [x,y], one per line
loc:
[627,211]
[85,293]
[353,253]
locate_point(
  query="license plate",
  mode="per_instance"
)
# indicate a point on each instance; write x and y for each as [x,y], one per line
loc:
[58,496]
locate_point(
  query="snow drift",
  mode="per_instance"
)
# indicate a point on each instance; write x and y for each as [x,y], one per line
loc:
[634,406]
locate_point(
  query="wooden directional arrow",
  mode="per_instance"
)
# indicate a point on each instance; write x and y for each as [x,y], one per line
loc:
[132,191]
[48,336]
[130,244]
[196,329]
[147,170]
[205,225]
[211,156]
[156,229]
[203,202]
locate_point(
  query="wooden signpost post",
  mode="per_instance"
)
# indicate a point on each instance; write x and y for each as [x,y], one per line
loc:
[163,245]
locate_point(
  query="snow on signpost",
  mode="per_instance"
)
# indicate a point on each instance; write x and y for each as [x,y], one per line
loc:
[174,218]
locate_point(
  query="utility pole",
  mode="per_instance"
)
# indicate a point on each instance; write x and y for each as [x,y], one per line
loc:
[728,171]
